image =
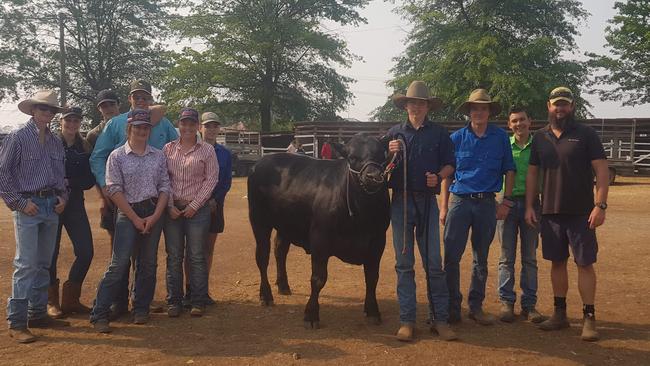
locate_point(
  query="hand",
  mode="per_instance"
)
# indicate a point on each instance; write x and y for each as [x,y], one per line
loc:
[60,206]
[106,207]
[394,146]
[149,222]
[213,205]
[596,218]
[443,216]
[31,209]
[432,179]
[139,224]
[189,212]
[502,211]
[174,213]
[531,217]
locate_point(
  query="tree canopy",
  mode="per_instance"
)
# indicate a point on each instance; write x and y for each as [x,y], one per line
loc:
[516,49]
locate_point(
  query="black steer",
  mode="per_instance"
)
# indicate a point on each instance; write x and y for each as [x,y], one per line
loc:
[329,208]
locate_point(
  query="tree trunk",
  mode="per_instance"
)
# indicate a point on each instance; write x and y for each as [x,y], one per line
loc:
[265,114]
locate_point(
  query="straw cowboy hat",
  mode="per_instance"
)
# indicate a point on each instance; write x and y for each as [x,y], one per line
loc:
[43,97]
[417,90]
[480,96]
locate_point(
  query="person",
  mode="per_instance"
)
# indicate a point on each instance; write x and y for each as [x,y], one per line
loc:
[193,172]
[326,150]
[138,184]
[483,157]
[519,123]
[429,159]
[210,126]
[32,185]
[73,218]
[114,136]
[293,147]
[565,154]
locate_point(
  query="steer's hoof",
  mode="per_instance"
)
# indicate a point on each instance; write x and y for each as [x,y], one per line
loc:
[311,324]
[264,302]
[284,290]
[373,319]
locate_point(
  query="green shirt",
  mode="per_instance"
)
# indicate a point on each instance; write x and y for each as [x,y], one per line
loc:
[521,158]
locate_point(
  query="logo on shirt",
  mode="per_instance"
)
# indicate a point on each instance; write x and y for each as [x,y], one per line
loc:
[573,140]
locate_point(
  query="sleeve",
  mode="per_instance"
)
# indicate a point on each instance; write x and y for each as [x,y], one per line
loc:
[9,157]
[172,134]
[164,184]
[508,160]
[447,156]
[225,177]
[60,172]
[103,148]
[595,149]
[211,175]
[114,178]
[534,153]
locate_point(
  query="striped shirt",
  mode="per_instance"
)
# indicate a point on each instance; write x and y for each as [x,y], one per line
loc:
[138,177]
[27,166]
[193,174]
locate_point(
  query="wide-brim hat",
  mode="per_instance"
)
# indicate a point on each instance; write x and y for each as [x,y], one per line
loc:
[417,90]
[480,96]
[44,97]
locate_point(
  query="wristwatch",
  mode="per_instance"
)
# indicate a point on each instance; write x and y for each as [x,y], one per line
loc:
[601,205]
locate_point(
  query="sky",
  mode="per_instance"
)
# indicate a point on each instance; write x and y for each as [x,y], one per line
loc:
[383,38]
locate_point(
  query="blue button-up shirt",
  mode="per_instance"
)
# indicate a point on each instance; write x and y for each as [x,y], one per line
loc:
[482,161]
[429,148]
[225,173]
[114,136]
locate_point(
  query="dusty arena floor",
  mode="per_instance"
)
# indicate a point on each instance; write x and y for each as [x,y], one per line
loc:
[238,331]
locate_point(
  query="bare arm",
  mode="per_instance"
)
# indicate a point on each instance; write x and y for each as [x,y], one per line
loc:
[531,194]
[597,216]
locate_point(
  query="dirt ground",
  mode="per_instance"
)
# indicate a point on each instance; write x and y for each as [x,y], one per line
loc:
[239,331]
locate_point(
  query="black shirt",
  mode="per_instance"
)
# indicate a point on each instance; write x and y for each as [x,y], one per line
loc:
[77,167]
[565,164]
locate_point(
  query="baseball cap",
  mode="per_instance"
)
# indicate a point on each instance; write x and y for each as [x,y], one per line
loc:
[73,111]
[189,113]
[210,117]
[139,117]
[140,85]
[107,95]
[560,93]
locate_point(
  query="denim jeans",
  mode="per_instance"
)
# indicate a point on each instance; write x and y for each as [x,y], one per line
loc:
[35,240]
[181,234]
[128,241]
[75,221]
[480,216]
[437,293]
[508,229]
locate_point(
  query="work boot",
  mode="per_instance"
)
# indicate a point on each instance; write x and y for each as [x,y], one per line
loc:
[174,311]
[444,331]
[482,317]
[140,318]
[117,311]
[507,313]
[589,332]
[197,310]
[70,299]
[22,335]
[47,322]
[556,322]
[533,315]
[53,308]
[102,326]
[405,333]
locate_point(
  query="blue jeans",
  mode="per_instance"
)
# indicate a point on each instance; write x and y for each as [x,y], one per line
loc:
[35,240]
[480,216]
[508,229]
[437,293]
[191,234]
[128,241]
[75,220]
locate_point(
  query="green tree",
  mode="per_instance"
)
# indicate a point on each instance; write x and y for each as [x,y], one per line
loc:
[268,57]
[108,43]
[628,40]
[513,48]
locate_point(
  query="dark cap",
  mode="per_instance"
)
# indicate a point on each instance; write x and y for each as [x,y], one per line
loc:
[139,117]
[140,85]
[189,113]
[107,95]
[73,111]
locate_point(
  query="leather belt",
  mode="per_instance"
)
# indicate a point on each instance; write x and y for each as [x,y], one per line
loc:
[476,196]
[44,193]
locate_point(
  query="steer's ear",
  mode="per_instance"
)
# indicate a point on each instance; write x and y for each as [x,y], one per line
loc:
[340,149]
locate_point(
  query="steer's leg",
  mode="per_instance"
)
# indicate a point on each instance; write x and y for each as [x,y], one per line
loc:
[281,251]
[262,252]
[370,307]
[318,280]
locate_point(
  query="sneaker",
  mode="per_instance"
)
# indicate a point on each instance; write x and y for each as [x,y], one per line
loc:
[589,332]
[47,322]
[405,333]
[556,322]
[140,318]
[22,335]
[444,331]
[507,313]
[101,326]
[174,311]
[482,317]
[533,315]
[197,310]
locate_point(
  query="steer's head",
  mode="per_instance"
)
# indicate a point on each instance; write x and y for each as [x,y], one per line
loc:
[366,157]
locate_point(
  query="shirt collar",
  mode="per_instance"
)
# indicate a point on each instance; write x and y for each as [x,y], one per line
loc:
[488,131]
[177,144]
[407,124]
[513,140]
[128,149]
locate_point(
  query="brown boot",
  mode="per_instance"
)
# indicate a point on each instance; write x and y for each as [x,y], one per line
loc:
[444,331]
[507,313]
[53,308]
[589,332]
[70,299]
[556,322]
[405,333]
[22,335]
